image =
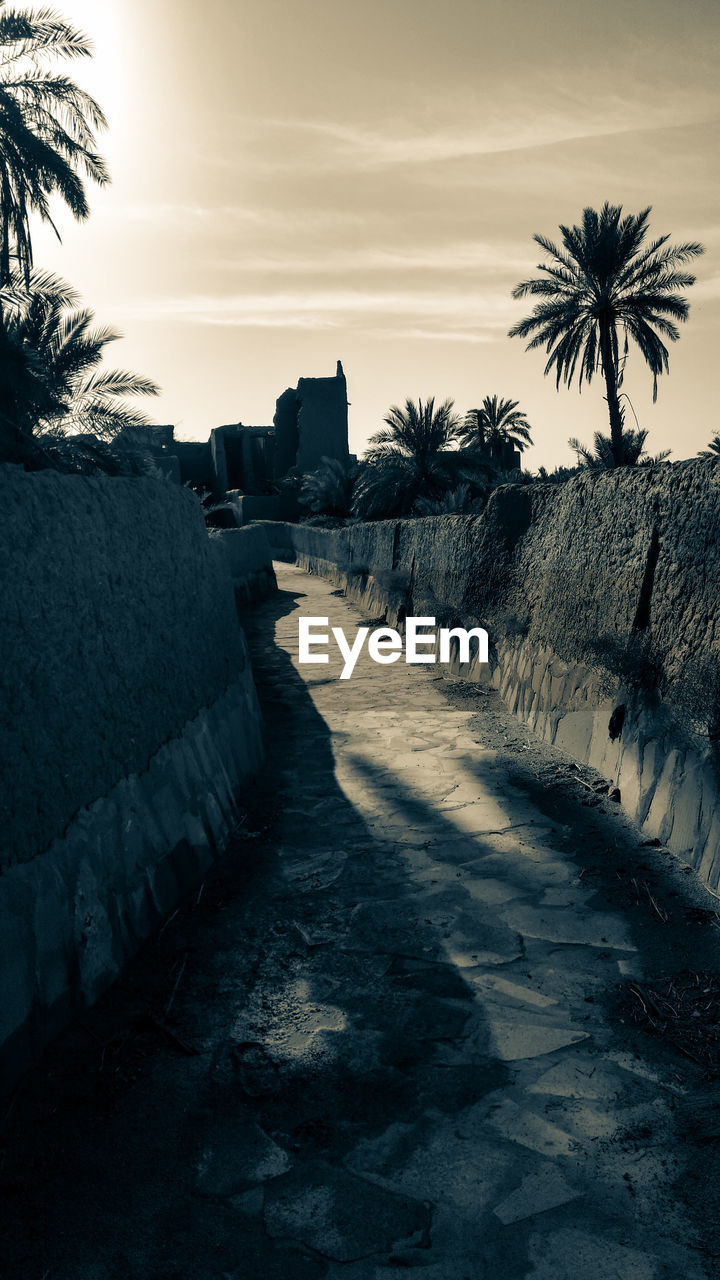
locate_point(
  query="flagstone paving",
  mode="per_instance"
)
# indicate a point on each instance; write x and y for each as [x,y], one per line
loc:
[392,1042]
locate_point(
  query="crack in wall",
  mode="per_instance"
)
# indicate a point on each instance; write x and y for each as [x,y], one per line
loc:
[641,621]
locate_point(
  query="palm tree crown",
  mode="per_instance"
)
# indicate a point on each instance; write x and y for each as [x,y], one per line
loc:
[496,426]
[604,286]
[47,130]
[407,459]
[601,458]
[419,431]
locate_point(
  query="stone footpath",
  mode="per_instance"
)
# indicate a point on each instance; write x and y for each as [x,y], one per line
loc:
[389,1043]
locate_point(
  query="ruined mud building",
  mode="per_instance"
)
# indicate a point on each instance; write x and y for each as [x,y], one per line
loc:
[244,466]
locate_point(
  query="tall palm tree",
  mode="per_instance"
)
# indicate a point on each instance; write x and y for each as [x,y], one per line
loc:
[604,286]
[495,428]
[47,130]
[58,353]
[713,449]
[410,457]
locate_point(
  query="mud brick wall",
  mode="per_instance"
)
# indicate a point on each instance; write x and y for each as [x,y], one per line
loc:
[322,421]
[602,598]
[246,553]
[129,722]
[117,627]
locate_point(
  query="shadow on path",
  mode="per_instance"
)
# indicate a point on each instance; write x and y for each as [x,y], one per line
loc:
[350,1054]
[304,1004]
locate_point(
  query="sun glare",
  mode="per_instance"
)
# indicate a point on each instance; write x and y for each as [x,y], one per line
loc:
[101,75]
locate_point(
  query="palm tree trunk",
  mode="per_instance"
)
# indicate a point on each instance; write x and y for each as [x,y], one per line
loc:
[610,374]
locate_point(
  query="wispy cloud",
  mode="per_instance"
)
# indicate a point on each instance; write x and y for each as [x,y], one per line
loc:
[451,314]
[461,256]
[225,215]
[522,128]
[428,334]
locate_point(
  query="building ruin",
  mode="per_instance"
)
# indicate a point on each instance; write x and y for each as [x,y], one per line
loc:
[245,466]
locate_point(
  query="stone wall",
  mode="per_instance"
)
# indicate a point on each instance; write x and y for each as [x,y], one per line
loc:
[130,722]
[602,599]
[246,553]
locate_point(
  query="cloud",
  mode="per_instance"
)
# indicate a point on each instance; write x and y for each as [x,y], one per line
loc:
[439,335]
[462,316]
[522,127]
[460,256]
[227,216]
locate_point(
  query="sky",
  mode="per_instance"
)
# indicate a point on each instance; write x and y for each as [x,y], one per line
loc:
[297,183]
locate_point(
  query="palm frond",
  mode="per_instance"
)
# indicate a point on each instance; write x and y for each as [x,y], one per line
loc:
[118,382]
[459,501]
[328,490]
[60,390]
[713,449]
[47,130]
[27,32]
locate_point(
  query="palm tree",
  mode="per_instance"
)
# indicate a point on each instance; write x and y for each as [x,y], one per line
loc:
[456,502]
[602,458]
[61,391]
[411,457]
[47,130]
[496,429]
[602,288]
[713,449]
[328,490]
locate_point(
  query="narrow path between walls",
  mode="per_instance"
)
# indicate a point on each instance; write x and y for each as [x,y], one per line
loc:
[390,1031]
